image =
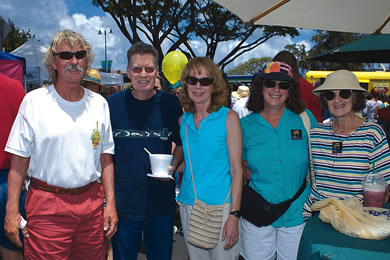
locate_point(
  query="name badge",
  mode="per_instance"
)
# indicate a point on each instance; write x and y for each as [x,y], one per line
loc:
[337,147]
[296,134]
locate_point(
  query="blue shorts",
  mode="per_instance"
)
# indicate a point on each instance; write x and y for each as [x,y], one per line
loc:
[4,242]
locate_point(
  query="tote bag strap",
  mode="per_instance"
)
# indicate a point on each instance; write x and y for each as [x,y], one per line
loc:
[306,122]
[192,174]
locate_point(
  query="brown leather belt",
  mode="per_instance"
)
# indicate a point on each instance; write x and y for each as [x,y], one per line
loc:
[41,185]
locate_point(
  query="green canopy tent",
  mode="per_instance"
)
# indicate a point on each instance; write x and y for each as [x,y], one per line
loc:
[370,49]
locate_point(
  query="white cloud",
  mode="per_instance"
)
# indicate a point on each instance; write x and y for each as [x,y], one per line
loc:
[6,7]
[46,17]
[307,44]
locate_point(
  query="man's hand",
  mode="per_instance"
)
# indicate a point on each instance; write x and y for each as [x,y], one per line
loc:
[16,176]
[171,172]
[247,172]
[110,221]
[11,227]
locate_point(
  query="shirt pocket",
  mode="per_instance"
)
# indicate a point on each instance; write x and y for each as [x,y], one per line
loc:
[254,142]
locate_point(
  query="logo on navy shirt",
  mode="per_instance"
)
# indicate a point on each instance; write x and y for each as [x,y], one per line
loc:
[163,134]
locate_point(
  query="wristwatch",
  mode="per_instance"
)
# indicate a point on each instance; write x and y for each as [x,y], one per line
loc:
[235,213]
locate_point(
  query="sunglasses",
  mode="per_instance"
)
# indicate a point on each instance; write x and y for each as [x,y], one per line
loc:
[203,81]
[272,83]
[67,55]
[344,94]
[140,69]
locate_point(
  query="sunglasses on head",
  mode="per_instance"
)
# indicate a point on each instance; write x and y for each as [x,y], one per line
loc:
[203,81]
[344,94]
[140,69]
[272,83]
[67,55]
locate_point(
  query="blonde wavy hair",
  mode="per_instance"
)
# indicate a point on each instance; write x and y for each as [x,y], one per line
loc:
[220,92]
[71,38]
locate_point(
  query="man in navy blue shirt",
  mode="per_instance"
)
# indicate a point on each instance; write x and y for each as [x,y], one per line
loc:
[143,117]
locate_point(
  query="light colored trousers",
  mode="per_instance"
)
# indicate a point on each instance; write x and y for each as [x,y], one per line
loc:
[267,242]
[217,253]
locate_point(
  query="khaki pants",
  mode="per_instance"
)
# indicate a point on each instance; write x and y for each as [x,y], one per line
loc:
[217,253]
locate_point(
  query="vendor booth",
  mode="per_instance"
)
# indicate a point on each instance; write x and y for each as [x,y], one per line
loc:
[34,53]
[111,79]
[12,66]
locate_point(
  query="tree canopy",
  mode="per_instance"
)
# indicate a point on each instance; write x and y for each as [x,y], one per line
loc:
[250,67]
[324,41]
[15,38]
[185,23]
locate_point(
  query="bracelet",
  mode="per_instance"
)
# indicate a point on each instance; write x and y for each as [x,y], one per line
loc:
[235,213]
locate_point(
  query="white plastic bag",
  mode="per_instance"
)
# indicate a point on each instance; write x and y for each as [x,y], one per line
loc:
[348,217]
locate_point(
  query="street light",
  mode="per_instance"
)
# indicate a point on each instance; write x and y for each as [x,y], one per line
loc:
[105,30]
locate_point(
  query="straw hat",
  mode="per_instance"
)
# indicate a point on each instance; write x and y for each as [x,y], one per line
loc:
[338,80]
[242,91]
[94,77]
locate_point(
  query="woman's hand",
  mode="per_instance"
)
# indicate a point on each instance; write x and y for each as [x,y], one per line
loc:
[230,232]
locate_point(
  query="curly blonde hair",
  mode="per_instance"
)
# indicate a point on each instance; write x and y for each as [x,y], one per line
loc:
[71,38]
[220,92]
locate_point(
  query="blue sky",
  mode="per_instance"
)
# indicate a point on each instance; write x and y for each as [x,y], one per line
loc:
[45,17]
[84,6]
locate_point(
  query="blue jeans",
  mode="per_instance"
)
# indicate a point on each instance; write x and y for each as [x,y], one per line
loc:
[4,242]
[158,238]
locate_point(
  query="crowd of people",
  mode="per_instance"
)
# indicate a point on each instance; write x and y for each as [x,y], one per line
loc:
[74,172]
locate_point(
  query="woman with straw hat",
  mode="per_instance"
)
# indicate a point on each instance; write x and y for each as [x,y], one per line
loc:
[344,150]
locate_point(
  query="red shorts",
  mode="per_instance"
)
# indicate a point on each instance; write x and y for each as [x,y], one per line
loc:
[65,226]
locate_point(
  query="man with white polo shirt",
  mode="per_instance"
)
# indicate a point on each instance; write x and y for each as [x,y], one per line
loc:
[62,141]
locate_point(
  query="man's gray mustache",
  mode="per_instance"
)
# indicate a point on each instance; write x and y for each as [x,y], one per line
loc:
[73,67]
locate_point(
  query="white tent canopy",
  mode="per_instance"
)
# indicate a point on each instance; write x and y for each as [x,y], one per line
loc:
[111,79]
[34,53]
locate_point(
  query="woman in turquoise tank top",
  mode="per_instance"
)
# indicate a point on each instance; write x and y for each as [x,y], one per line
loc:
[215,147]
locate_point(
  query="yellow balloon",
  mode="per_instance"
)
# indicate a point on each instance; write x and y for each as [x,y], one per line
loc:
[173,65]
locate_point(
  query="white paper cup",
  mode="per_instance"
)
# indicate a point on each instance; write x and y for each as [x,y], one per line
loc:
[159,163]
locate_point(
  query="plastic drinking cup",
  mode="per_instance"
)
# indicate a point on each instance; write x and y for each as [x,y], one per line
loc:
[374,196]
[374,189]
[159,163]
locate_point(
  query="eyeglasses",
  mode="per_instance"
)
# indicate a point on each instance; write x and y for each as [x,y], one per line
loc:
[272,83]
[67,55]
[344,94]
[203,81]
[140,69]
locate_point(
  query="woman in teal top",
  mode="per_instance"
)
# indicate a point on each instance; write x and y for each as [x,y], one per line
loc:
[215,145]
[276,150]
